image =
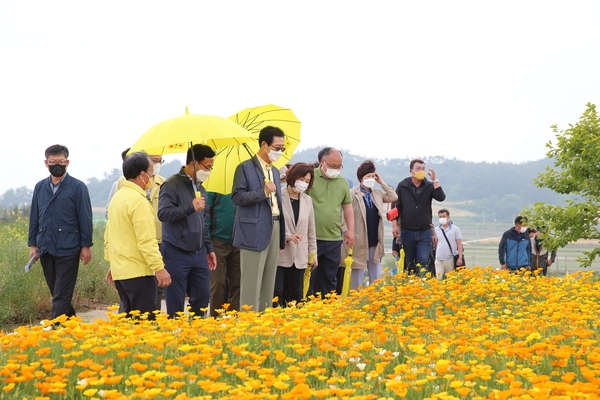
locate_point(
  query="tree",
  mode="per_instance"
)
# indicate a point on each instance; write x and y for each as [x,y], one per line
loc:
[576,157]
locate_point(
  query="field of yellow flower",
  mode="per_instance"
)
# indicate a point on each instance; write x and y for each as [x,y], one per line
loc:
[481,334]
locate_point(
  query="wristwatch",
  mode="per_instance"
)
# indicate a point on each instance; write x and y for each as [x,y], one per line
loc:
[436,181]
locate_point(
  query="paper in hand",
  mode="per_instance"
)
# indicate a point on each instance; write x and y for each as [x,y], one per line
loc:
[30,263]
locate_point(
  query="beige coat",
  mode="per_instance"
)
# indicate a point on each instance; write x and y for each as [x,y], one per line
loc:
[297,254]
[360,252]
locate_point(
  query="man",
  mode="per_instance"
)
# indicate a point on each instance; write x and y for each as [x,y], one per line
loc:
[515,248]
[186,247]
[131,248]
[259,228]
[60,229]
[152,195]
[225,278]
[449,245]
[415,195]
[331,199]
[539,254]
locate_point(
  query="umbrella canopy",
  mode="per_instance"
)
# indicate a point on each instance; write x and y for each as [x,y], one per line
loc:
[175,135]
[253,119]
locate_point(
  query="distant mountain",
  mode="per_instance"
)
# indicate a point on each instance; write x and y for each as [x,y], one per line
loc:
[498,189]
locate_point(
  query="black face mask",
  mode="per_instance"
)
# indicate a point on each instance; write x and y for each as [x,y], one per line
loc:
[57,170]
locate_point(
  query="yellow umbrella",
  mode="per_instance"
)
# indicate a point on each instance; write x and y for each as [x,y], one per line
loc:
[347,273]
[307,273]
[400,262]
[253,119]
[175,135]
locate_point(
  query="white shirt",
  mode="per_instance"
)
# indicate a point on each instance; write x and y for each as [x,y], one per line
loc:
[442,252]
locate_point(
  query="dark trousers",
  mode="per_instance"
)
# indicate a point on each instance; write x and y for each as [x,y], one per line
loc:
[137,294]
[324,278]
[289,285]
[61,276]
[184,268]
[417,248]
[226,275]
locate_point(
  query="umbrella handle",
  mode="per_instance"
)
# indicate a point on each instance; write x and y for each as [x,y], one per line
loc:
[198,194]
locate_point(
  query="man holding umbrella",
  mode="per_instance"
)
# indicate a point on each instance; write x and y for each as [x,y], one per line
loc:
[186,246]
[259,228]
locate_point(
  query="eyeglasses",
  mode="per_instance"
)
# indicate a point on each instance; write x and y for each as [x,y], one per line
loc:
[282,148]
[333,166]
[206,167]
[158,160]
[59,162]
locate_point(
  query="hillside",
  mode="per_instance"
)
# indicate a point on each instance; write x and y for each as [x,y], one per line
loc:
[475,190]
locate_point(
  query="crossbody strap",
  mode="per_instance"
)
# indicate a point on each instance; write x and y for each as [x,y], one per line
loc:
[447,241]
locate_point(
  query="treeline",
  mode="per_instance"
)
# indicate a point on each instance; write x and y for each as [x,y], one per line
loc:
[496,189]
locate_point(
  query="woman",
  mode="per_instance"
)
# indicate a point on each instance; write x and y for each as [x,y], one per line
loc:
[300,236]
[369,212]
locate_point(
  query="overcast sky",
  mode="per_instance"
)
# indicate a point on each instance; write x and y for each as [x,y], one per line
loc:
[475,80]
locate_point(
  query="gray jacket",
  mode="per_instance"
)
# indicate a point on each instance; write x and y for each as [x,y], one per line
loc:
[182,226]
[253,218]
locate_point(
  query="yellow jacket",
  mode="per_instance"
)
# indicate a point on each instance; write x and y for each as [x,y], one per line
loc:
[130,245]
[154,190]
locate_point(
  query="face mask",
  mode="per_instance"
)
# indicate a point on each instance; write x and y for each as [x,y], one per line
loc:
[421,174]
[369,182]
[443,221]
[274,156]
[202,175]
[57,170]
[156,169]
[332,173]
[523,229]
[147,185]
[300,186]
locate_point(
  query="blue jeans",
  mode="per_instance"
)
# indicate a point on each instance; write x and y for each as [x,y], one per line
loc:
[417,247]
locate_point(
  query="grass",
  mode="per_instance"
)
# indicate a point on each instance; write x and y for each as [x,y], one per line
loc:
[25,297]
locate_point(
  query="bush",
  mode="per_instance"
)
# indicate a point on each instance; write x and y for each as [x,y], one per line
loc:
[25,297]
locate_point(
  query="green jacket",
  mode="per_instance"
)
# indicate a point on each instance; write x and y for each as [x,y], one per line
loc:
[220,213]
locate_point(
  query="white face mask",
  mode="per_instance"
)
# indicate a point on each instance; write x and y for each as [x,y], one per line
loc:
[443,221]
[523,229]
[274,156]
[202,175]
[332,173]
[156,169]
[300,186]
[369,182]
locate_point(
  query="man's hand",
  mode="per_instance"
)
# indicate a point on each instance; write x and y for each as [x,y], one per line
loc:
[212,260]
[349,238]
[269,188]
[33,252]
[503,266]
[459,261]
[434,239]
[395,229]
[198,203]
[296,238]
[109,278]
[85,255]
[431,174]
[549,263]
[163,278]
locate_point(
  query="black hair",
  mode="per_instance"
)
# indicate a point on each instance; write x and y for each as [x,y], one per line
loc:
[135,164]
[201,151]
[268,133]
[416,160]
[124,154]
[520,220]
[443,210]
[57,150]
